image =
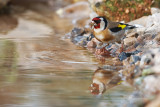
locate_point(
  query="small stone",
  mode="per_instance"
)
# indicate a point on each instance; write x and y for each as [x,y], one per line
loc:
[82,42]
[134,58]
[148,36]
[91,44]
[132,34]
[140,39]
[130,49]
[145,61]
[149,58]
[139,47]
[114,49]
[129,41]
[78,36]
[126,62]
[122,56]
[102,52]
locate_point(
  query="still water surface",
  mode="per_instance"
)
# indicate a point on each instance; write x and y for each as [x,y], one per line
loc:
[40,69]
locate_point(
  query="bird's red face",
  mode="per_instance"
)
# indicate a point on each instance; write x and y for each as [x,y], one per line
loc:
[96,22]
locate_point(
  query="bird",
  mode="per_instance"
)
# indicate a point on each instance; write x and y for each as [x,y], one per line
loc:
[107,31]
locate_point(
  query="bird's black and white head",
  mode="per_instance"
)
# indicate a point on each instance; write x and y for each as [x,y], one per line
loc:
[99,24]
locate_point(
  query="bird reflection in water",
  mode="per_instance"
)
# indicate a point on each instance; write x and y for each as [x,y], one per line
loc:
[104,79]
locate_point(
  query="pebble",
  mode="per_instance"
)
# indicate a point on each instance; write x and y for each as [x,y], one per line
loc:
[129,41]
[124,55]
[91,44]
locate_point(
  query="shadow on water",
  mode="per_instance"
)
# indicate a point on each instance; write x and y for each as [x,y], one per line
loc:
[39,69]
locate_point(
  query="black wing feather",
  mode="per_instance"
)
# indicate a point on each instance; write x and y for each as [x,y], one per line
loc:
[115,29]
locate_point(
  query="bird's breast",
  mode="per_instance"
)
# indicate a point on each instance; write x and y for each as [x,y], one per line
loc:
[103,36]
[100,36]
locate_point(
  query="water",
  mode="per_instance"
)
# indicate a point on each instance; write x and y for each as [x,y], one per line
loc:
[40,69]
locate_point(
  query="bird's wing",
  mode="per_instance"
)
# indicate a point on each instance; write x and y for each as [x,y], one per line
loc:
[121,26]
[112,24]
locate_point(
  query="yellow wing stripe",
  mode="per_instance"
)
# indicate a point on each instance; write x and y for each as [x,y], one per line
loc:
[122,26]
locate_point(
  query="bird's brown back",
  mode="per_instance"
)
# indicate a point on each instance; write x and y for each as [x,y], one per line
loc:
[112,24]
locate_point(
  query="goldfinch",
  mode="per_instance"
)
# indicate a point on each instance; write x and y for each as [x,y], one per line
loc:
[107,31]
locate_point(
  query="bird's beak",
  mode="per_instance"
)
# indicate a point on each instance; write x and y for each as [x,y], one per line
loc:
[92,24]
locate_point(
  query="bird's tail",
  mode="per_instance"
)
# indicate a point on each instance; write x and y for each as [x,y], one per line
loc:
[131,27]
[134,26]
